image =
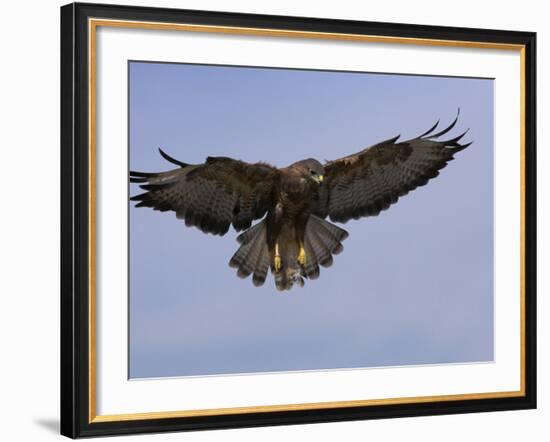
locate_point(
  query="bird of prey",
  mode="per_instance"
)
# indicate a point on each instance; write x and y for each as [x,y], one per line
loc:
[294,238]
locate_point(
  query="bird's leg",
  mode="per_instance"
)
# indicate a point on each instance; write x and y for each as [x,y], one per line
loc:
[277,258]
[302,254]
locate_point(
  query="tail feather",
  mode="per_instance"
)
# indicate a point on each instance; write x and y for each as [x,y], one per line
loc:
[262,260]
[322,240]
[255,247]
[320,248]
[311,269]
[248,234]
[262,266]
[281,280]
[252,256]
[335,232]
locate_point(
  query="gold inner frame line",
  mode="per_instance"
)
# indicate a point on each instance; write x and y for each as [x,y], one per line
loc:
[92,34]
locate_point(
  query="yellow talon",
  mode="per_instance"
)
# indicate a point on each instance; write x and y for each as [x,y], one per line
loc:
[277,263]
[302,256]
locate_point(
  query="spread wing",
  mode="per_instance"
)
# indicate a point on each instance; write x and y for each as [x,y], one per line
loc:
[365,183]
[210,196]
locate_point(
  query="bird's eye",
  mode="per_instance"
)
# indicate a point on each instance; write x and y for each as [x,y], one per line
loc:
[313,172]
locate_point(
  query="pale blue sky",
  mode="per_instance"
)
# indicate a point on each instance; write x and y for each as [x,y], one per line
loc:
[413,285]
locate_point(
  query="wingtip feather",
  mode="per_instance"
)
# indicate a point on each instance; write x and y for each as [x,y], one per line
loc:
[447,129]
[430,130]
[171,160]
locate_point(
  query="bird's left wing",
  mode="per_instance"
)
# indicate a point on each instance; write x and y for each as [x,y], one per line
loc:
[365,183]
[211,196]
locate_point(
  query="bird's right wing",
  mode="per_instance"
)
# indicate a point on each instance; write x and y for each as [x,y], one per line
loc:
[211,196]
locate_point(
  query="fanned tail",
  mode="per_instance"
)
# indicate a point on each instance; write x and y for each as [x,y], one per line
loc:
[322,240]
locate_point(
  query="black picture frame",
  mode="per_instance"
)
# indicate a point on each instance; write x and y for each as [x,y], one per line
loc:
[75,221]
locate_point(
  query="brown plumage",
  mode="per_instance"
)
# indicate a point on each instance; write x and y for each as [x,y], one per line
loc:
[294,239]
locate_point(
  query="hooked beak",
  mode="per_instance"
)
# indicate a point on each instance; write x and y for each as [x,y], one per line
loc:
[319,178]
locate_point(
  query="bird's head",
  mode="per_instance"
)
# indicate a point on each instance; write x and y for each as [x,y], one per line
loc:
[310,169]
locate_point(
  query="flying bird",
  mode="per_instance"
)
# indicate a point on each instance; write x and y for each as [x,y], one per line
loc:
[294,237]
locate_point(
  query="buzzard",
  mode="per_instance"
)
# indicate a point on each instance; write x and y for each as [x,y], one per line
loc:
[294,238]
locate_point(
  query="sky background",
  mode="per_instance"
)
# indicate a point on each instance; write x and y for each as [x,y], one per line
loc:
[412,286]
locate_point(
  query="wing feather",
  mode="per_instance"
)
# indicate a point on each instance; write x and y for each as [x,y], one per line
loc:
[370,181]
[211,196]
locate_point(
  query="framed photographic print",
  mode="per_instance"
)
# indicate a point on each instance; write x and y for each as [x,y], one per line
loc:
[274,220]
